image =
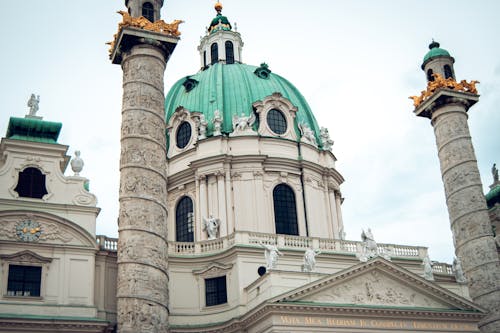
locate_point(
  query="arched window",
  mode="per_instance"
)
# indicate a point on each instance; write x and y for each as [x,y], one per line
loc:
[148,11]
[31,184]
[184,220]
[214,53]
[429,75]
[229,52]
[285,211]
[447,72]
[204,59]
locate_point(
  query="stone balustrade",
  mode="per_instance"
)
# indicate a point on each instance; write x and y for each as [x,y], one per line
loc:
[442,268]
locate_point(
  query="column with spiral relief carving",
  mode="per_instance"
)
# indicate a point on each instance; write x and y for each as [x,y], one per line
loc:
[142,286]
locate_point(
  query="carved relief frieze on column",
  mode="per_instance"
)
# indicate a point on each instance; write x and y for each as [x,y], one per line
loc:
[142,248]
[470,224]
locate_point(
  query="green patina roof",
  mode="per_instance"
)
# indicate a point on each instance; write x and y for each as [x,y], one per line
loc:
[223,20]
[493,196]
[232,89]
[32,129]
[435,51]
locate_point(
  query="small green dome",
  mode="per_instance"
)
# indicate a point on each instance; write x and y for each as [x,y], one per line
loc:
[224,23]
[493,196]
[435,51]
[232,89]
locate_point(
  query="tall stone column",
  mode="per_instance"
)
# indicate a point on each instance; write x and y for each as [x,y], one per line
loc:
[470,224]
[142,286]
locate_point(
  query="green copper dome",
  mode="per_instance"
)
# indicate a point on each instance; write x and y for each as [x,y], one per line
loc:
[232,89]
[435,51]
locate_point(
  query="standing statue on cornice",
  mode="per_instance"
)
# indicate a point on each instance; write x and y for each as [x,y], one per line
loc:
[271,255]
[494,172]
[459,273]
[33,105]
[428,275]
[211,225]
[310,259]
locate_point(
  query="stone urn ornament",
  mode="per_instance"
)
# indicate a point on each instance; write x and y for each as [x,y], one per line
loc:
[77,163]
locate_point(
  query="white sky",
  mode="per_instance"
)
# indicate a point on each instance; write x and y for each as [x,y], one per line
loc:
[356,62]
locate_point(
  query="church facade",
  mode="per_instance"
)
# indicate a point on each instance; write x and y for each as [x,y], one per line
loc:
[230,211]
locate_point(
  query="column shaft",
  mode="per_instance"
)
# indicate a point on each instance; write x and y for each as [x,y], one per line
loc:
[142,292]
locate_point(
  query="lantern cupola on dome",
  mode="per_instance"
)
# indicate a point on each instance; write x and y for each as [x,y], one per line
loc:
[221,43]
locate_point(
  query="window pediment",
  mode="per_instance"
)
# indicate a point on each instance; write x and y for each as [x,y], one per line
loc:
[213,270]
[25,256]
[276,117]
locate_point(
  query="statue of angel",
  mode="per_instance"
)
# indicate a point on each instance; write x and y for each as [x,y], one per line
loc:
[307,134]
[369,248]
[271,254]
[33,104]
[242,123]
[217,122]
[310,259]
[326,142]
[202,127]
[211,225]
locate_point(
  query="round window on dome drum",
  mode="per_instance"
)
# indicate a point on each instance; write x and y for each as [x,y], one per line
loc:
[276,121]
[183,134]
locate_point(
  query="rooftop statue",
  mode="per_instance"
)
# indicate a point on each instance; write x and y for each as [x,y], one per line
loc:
[33,105]
[494,172]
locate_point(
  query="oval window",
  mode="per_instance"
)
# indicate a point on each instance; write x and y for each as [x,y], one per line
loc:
[276,121]
[183,134]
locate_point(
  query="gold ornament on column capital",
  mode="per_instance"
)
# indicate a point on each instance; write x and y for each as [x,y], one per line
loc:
[440,82]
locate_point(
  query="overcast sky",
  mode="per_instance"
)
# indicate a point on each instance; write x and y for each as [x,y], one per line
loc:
[356,62]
